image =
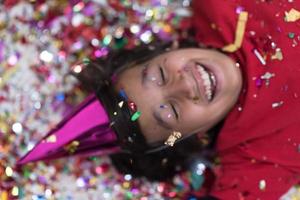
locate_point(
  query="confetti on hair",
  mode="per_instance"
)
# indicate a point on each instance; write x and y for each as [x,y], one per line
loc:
[132,106]
[123,94]
[135,116]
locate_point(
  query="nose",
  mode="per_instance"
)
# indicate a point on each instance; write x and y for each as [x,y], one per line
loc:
[182,87]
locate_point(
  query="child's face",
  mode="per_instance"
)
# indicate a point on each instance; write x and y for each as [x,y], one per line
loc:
[188,90]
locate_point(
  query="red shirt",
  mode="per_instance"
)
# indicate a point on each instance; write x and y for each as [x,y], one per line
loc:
[259,145]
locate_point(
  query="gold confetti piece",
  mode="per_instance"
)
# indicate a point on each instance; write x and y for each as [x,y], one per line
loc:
[72,147]
[6,76]
[262,185]
[4,195]
[292,16]
[239,33]
[278,55]
[51,139]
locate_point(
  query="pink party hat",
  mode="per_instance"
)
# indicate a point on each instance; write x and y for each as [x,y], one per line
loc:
[85,132]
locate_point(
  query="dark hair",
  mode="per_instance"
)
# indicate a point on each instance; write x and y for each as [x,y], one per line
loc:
[97,77]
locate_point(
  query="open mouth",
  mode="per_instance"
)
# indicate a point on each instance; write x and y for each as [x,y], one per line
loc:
[208,81]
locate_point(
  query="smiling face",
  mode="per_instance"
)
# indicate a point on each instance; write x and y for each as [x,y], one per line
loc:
[186,90]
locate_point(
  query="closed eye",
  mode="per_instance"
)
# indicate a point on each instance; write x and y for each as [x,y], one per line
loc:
[174,110]
[162,74]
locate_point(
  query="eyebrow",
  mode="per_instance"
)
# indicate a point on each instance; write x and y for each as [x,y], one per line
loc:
[161,122]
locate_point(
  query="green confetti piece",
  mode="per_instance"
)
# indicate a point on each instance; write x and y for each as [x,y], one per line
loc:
[291,35]
[86,61]
[135,116]
[129,195]
[196,181]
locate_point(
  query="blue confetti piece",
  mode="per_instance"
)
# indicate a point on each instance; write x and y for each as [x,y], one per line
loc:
[123,94]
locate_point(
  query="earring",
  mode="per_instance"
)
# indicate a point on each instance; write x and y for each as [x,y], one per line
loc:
[172,138]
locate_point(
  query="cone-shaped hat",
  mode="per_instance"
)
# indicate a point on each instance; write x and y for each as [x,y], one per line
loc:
[86,131]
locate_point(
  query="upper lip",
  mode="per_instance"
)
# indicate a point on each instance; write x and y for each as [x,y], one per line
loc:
[200,88]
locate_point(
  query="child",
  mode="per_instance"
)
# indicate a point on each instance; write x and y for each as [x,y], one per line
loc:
[152,98]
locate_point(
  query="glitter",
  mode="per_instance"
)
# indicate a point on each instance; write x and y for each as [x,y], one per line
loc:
[106,195]
[78,7]
[15,191]
[72,147]
[200,169]
[123,94]
[77,69]
[277,104]
[48,193]
[17,128]
[46,56]
[60,96]
[291,35]
[51,139]
[8,171]
[258,82]
[278,55]
[132,106]
[259,56]
[80,182]
[95,42]
[126,185]
[115,113]
[135,28]
[107,39]
[146,37]
[240,108]
[37,105]
[86,61]
[149,14]
[119,33]
[121,103]
[12,60]
[77,20]
[262,185]
[4,195]
[128,177]
[135,116]
[292,16]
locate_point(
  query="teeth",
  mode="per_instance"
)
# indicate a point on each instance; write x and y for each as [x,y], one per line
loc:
[206,81]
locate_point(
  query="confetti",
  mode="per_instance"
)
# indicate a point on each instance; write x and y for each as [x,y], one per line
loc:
[292,16]
[262,185]
[135,116]
[278,55]
[259,57]
[43,42]
[277,104]
[123,94]
[51,139]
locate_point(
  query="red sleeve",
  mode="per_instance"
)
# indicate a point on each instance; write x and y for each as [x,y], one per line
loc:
[248,179]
